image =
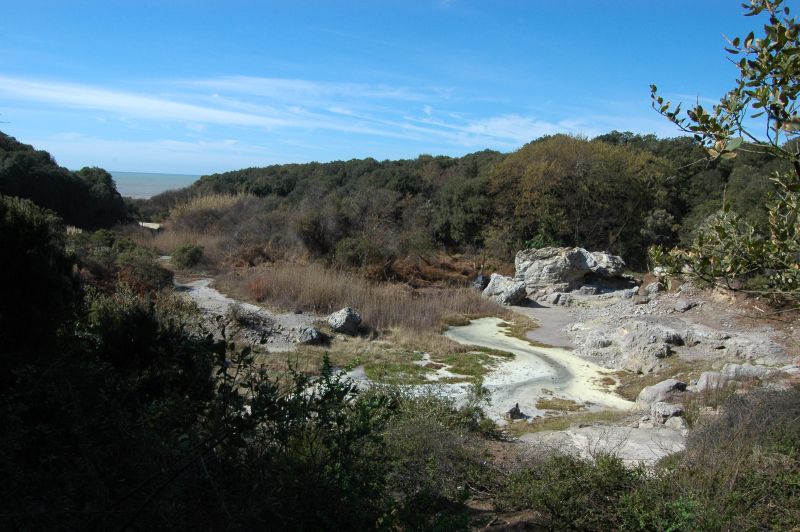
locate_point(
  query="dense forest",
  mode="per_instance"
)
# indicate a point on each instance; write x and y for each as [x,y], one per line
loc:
[619,192]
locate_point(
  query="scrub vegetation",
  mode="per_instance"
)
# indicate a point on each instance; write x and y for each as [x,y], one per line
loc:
[122,409]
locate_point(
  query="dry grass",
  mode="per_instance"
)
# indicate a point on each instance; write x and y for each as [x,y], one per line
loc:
[563,422]
[559,404]
[215,246]
[166,242]
[212,202]
[631,383]
[382,306]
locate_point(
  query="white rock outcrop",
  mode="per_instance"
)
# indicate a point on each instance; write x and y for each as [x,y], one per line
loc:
[563,269]
[504,290]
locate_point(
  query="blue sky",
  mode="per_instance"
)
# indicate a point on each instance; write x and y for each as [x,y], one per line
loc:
[200,87]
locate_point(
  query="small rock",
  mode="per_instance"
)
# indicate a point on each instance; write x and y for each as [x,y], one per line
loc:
[682,305]
[345,321]
[710,380]
[629,293]
[652,289]
[551,298]
[480,282]
[661,391]
[589,290]
[661,411]
[308,335]
[748,371]
[791,370]
[676,423]
[566,300]
[640,300]
[516,413]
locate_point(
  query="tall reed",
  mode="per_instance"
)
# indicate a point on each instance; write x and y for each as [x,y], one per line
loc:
[382,306]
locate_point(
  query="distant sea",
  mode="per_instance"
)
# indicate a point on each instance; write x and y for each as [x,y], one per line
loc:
[143,185]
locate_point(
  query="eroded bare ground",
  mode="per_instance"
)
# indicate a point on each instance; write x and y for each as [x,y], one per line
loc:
[648,334]
[255,324]
[650,338]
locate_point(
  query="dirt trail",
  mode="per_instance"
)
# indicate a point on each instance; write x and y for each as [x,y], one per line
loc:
[212,302]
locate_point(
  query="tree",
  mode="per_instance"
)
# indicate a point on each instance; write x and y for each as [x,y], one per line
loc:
[567,190]
[766,89]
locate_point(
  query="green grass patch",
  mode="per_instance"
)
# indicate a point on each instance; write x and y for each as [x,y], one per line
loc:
[386,372]
[455,320]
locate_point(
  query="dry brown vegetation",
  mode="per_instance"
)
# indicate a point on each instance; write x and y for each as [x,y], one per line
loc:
[382,306]
[631,383]
[560,404]
[565,421]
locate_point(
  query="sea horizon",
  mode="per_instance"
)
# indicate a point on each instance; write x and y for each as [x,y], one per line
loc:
[142,185]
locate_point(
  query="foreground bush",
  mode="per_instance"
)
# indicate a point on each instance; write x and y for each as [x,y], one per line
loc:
[740,471]
[39,289]
[107,258]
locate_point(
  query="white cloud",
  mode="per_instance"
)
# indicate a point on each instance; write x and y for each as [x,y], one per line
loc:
[285,112]
[87,97]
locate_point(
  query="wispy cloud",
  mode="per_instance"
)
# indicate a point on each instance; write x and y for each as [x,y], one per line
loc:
[202,113]
[282,104]
[115,101]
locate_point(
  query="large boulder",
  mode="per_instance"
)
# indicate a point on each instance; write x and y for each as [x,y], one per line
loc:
[564,268]
[504,290]
[660,392]
[345,321]
[607,265]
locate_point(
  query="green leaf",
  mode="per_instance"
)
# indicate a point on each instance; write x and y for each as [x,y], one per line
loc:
[734,144]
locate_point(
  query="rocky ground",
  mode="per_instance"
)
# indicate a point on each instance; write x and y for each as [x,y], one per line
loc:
[709,340]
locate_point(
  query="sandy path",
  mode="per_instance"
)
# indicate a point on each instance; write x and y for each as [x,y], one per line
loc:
[213,302]
[535,371]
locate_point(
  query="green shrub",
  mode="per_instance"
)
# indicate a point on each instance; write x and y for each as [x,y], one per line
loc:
[187,256]
[39,289]
[572,493]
